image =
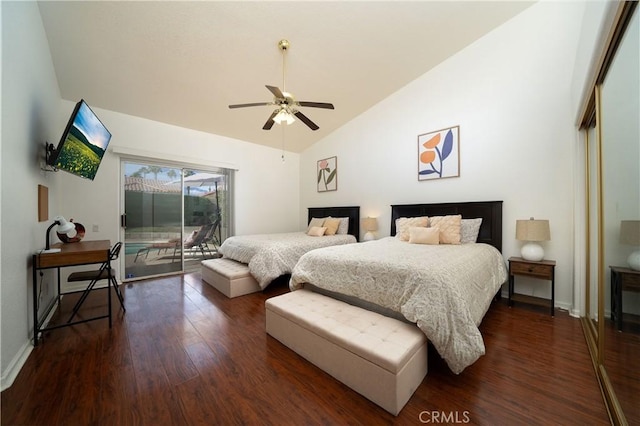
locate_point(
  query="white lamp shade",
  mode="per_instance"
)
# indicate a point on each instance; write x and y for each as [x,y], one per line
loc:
[64,227]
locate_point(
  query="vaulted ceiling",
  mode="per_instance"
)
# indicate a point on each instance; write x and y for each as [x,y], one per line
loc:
[184,62]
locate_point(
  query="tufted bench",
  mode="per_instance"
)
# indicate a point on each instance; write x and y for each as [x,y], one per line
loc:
[229,277]
[382,358]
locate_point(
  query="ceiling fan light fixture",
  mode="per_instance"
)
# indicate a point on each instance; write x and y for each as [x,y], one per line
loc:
[283,116]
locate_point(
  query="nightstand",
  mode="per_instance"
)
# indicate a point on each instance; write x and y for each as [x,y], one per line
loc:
[543,269]
[621,279]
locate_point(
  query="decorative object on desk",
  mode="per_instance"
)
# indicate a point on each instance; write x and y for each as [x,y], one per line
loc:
[70,237]
[630,235]
[328,174]
[439,154]
[63,227]
[369,224]
[532,231]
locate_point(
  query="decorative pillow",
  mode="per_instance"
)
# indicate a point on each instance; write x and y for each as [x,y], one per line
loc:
[316,231]
[420,235]
[449,227]
[404,223]
[344,225]
[469,230]
[191,238]
[332,224]
[316,221]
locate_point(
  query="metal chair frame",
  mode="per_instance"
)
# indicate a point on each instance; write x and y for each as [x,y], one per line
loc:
[95,276]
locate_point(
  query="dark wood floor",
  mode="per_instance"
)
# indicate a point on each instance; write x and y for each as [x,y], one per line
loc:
[185,354]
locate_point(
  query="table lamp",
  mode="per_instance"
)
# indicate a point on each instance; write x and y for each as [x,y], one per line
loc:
[532,231]
[64,227]
[369,224]
[630,235]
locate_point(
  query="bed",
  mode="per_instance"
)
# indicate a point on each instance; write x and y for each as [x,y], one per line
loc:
[445,289]
[270,256]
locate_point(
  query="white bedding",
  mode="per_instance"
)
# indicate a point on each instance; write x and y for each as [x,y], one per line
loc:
[272,255]
[445,289]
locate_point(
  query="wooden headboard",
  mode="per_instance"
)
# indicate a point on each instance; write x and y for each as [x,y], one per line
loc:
[489,211]
[353,213]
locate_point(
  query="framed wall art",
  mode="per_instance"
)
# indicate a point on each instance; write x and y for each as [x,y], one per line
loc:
[439,154]
[328,174]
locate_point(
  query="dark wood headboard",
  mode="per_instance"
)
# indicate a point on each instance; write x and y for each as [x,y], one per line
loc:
[489,211]
[353,213]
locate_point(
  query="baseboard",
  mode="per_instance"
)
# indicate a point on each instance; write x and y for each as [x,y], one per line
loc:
[10,374]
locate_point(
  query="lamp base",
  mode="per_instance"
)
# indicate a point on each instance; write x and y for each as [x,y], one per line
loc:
[532,251]
[634,260]
[53,250]
[368,236]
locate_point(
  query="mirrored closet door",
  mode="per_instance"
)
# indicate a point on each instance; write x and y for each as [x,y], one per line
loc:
[612,288]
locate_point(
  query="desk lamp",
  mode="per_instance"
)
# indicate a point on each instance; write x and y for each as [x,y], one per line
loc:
[630,234]
[532,231]
[64,227]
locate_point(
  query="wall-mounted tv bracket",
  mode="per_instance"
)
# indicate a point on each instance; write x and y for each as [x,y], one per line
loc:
[50,154]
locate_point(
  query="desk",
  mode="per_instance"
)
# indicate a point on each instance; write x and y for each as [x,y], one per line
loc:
[72,254]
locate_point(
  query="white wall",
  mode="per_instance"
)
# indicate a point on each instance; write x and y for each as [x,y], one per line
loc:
[30,104]
[266,188]
[510,92]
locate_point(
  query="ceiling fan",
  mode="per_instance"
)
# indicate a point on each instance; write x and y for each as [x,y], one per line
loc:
[286,105]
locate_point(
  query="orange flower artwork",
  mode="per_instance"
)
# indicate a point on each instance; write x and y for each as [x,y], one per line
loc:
[438,154]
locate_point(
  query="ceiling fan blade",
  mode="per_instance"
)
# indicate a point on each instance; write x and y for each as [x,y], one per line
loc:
[305,120]
[276,92]
[250,105]
[316,105]
[269,124]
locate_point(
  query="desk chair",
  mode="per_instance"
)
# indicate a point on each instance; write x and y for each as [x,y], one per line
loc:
[104,273]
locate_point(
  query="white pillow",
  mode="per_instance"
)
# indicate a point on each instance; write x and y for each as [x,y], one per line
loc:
[469,230]
[315,221]
[316,231]
[420,235]
[404,223]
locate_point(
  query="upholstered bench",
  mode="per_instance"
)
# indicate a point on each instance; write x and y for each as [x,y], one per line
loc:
[382,358]
[229,277]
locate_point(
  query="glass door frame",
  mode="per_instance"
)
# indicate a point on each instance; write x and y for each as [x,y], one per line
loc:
[223,206]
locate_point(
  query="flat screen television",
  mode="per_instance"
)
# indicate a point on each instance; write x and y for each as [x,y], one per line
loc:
[83,143]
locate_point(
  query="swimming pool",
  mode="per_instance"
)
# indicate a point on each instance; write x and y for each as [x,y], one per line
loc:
[133,248]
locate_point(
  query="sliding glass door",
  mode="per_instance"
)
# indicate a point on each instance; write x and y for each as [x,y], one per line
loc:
[173,217]
[152,220]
